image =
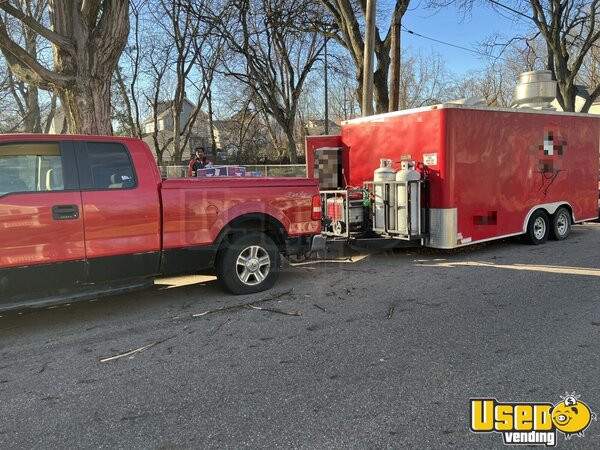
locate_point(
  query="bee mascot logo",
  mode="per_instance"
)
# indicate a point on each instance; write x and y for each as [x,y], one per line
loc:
[531,423]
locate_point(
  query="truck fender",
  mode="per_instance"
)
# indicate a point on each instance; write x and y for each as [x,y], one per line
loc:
[257,221]
[550,208]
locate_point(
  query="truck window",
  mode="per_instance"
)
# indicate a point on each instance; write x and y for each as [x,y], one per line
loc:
[111,166]
[30,167]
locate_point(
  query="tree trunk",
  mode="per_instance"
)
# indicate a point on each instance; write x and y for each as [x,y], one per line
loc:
[368,78]
[291,144]
[380,80]
[359,86]
[87,106]
[33,121]
[177,150]
[129,120]
[98,46]
[211,128]
[395,64]
[87,40]
[51,114]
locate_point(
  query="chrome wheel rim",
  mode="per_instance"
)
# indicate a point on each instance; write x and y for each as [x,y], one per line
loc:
[253,265]
[562,224]
[539,228]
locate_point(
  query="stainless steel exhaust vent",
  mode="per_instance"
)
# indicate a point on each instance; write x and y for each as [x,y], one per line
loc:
[535,90]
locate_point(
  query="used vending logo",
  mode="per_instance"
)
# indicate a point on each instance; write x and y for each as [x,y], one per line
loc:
[531,423]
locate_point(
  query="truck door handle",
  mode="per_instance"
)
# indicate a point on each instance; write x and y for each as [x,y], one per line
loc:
[65,212]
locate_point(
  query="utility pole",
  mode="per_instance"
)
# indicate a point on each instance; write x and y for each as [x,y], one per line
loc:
[326,88]
[369,56]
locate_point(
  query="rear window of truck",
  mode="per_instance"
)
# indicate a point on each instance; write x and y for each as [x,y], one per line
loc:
[111,166]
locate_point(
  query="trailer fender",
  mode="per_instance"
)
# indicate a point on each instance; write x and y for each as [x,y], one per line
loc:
[550,208]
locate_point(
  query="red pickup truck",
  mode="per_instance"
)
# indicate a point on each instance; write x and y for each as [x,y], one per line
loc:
[83,216]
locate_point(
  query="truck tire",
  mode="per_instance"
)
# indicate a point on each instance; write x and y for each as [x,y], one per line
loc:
[248,263]
[561,224]
[538,228]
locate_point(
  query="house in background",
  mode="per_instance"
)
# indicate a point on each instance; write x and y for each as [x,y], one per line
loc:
[199,133]
[225,132]
[582,96]
[241,136]
[314,127]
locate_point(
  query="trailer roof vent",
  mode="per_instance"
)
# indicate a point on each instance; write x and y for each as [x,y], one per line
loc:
[469,101]
[535,90]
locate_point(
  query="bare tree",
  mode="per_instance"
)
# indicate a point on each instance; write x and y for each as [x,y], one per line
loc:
[87,39]
[348,16]
[10,115]
[123,107]
[243,132]
[273,55]
[126,104]
[159,61]
[179,66]
[33,109]
[181,28]
[495,85]
[589,75]
[424,81]
[570,31]
[342,93]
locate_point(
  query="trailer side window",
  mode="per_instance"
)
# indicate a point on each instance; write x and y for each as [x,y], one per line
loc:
[111,166]
[30,167]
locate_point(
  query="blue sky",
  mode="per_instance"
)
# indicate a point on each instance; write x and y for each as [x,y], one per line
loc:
[447,25]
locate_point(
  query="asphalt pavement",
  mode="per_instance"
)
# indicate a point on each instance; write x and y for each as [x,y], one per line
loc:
[357,351]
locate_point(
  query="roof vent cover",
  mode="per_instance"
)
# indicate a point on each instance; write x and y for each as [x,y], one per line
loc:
[535,90]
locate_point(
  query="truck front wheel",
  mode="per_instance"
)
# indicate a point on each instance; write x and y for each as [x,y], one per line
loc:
[538,228]
[248,263]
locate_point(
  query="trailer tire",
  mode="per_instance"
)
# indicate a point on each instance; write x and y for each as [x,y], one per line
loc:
[561,224]
[538,228]
[248,263]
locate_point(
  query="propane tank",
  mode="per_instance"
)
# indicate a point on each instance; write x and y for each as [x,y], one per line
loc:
[407,173]
[385,172]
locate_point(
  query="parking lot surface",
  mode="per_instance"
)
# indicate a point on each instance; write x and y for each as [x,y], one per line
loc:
[376,350]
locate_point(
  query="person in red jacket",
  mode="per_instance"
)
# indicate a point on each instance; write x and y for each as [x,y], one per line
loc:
[198,161]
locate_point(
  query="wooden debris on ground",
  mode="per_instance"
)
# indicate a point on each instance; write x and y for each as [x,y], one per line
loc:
[135,351]
[274,310]
[390,312]
[244,305]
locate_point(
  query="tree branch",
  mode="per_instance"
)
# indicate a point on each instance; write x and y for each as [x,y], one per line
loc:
[57,39]
[27,67]
[89,11]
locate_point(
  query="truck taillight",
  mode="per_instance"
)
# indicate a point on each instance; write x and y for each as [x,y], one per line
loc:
[316,208]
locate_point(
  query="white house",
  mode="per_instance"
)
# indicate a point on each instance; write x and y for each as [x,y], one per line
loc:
[199,134]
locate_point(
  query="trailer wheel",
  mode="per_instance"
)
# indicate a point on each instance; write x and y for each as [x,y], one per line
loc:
[538,228]
[248,264]
[561,224]
[339,227]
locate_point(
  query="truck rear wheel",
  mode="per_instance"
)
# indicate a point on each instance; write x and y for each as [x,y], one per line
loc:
[248,264]
[561,224]
[538,228]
